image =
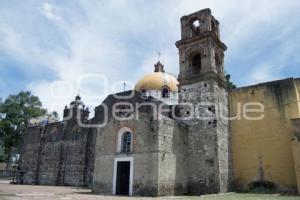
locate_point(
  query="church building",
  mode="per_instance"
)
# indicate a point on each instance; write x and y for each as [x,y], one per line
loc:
[175,135]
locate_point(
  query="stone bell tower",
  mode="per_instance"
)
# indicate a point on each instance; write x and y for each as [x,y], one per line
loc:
[204,103]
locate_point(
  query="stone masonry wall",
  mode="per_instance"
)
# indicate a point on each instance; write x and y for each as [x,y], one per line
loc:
[56,154]
[144,154]
[207,154]
[172,171]
[48,159]
[29,155]
[224,153]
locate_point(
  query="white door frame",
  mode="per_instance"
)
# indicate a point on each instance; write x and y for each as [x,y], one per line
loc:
[120,159]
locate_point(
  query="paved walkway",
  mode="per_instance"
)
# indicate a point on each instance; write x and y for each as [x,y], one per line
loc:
[34,192]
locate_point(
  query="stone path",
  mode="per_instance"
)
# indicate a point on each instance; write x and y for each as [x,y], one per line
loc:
[34,192]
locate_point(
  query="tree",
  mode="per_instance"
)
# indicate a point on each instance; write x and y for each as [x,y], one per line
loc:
[15,112]
[55,114]
[3,156]
[1,116]
[230,84]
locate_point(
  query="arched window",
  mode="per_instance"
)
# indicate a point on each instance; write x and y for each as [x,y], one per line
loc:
[195,26]
[196,63]
[165,93]
[126,142]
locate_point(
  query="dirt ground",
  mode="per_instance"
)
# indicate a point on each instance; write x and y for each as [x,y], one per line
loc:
[33,192]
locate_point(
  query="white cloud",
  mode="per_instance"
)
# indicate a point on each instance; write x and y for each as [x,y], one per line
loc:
[120,39]
[264,73]
[48,11]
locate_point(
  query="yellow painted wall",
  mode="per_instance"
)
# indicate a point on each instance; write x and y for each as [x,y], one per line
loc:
[265,143]
[296,141]
[296,153]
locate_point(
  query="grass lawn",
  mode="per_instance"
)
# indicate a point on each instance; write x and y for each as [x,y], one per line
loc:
[234,196]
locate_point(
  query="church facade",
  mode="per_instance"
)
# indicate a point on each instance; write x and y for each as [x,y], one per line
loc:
[175,136]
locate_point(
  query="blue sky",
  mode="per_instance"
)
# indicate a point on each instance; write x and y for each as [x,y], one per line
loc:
[46,45]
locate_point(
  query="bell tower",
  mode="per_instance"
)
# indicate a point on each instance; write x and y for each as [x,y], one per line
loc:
[204,103]
[201,52]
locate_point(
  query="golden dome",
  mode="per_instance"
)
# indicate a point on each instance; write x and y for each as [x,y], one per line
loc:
[158,80]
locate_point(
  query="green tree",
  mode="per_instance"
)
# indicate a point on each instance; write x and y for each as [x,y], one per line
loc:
[15,112]
[230,84]
[55,114]
[0,107]
[3,156]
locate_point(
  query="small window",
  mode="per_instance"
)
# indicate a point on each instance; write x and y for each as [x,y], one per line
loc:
[165,93]
[126,142]
[143,93]
[76,135]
